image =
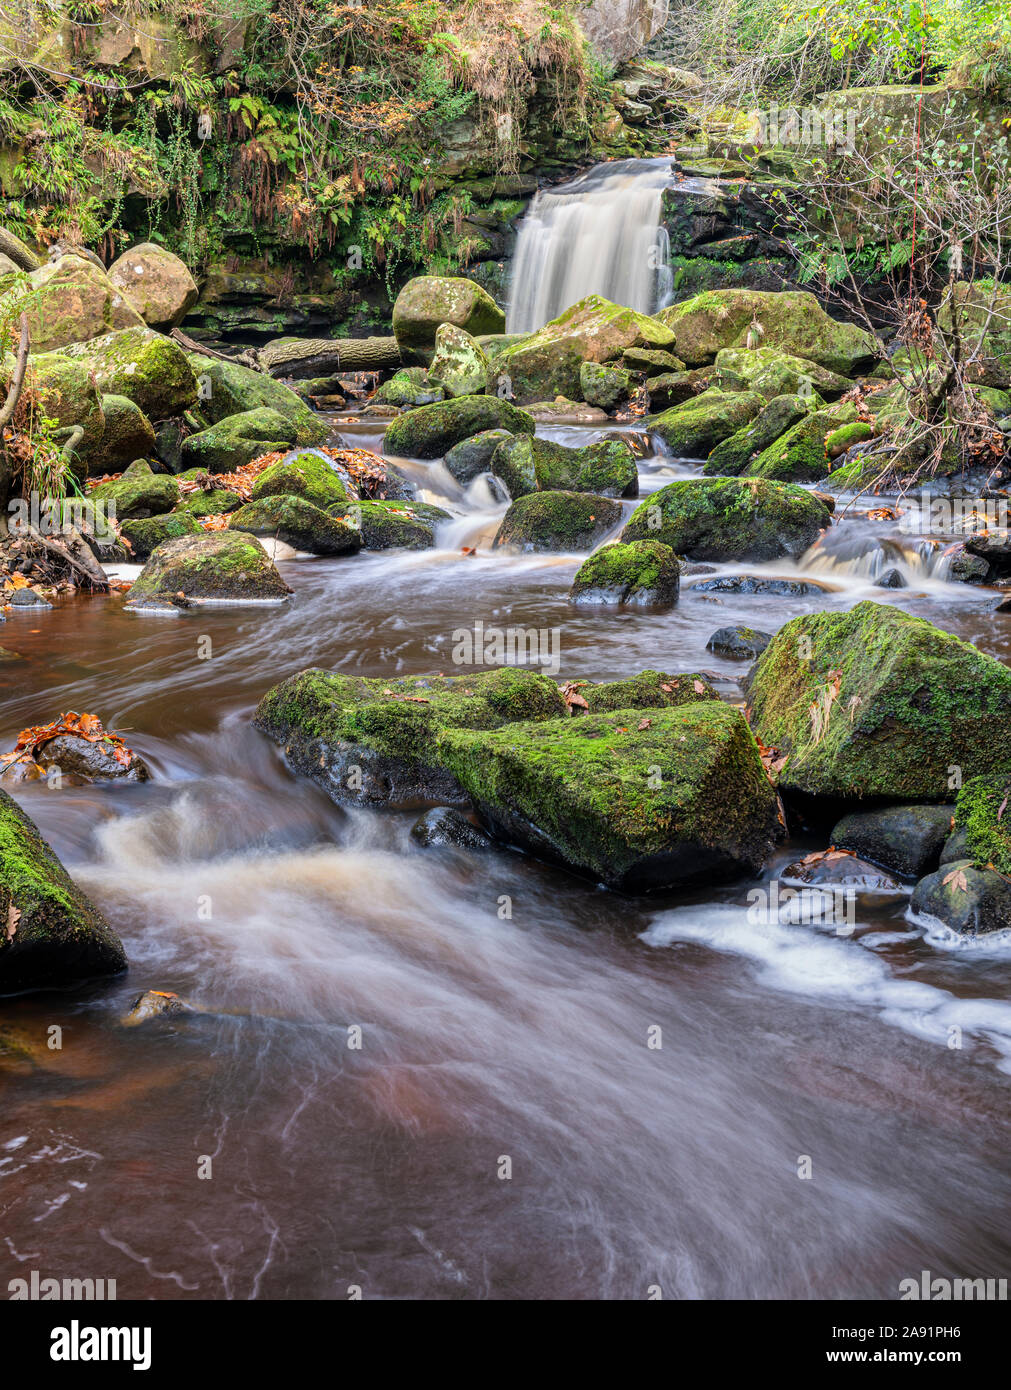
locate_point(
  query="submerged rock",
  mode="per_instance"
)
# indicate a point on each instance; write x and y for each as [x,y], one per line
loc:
[557,521]
[155,1003]
[52,934]
[877,703]
[89,761]
[839,869]
[526,464]
[905,839]
[431,431]
[750,584]
[729,519]
[445,826]
[643,573]
[217,566]
[742,642]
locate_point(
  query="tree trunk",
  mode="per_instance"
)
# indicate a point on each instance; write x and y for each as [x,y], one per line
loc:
[308,357]
[13,246]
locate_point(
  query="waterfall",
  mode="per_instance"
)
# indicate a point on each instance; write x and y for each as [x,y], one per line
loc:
[600,234]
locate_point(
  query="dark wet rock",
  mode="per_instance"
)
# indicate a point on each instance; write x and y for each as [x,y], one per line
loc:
[752,584]
[742,642]
[53,934]
[557,521]
[27,598]
[298,523]
[219,566]
[834,869]
[471,457]
[969,900]
[445,826]
[152,1004]
[956,846]
[643,573]
[904,839]
[88,761]
[877,703]
[891,579]
[969,568]
[729,519]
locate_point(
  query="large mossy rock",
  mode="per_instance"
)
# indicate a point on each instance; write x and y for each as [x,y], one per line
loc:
[157,284]
[772,372]
[557,521]
[876,703]
[237,440]
[408,388]
[69,396]
[213,501]
[792,320]
[375,741]
[694,428]
[966,898]
[72,301]
[547,363]
[396,525]
[981,818]
[431,431]
[637,803]
[297,522]
[730,519]
[528,464]
[228,388]
[214,567]
[146,367]
[732,457]
[471,457]
[128,435]
[146,534]
[801,455]
[459,365]
[642,573]
[138,492]
[430,300]
[305,475]
[53,935]
[603,384]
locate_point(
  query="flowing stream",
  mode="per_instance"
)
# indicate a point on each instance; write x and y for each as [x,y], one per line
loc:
[600,234]
[292,923]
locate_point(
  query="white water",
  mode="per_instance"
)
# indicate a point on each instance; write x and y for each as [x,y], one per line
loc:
[600,234]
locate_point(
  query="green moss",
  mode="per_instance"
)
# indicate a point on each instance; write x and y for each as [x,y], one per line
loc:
[694,428]
[138,492]
[395,525]
[800,454]
[527,464]
[144,535]
[981,812]
[648,690]
[407,388]
[228,388]
[879,703]
[306,475]
[641,571]
[557,521]
[210,502]
[148,368]
[218,565]
[431,430]
[729,519]
[732,457]
[237,440]
[297,522]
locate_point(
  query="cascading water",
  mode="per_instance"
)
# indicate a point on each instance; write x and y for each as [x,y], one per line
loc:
[601,234]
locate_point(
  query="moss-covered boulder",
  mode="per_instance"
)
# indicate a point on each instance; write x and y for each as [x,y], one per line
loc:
[842,438]
[965,898]
[146,367]
[146,534]
[730,519]
[677,797]
[459,364]
[601,383]
[304,475]
[71,301]
[407,388]
[646,690]
[156,283]
[214,567]
[527,464]
[772,372]
[693,429]
[877,703]
[53,935]
[128,434]
[228,388]
[215,501]
[431,431]
[792,320]
[68,395]
[800,456]
[547,363]
[981,815]
[138,492]
[375,741]
[428,301]
[907,840]
[675,388]
[557,521]
[237,440]
[297,522]
[395,525]
[652,361]
[471,457]
[642,573]
[732,457]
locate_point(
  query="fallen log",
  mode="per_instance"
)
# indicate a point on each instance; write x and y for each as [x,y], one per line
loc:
[307,357]
[247,358]
[14,247]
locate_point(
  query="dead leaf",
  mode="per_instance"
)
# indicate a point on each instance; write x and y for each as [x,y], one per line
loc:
[13,918]
[958,879]
[698,687]
[646,724]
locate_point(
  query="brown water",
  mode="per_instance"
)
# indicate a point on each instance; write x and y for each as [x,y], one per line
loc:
[291,921]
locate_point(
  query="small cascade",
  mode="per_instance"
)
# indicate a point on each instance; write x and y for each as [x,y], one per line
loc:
[601,234]
[842,553]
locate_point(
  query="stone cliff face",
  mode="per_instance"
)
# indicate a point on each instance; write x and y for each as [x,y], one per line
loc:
[617,29]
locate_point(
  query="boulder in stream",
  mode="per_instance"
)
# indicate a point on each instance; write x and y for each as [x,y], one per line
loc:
[138,492]
[693,429]
[528,464]
[557,521]
[970,900]
[394,525]
[298,523]
[128,434]
[52,934]
[603,384]
[744,643]
[237,440]
[443,825]
[431,431]
[471,457]
[641,573]
[214,567]
[799,456]
[878,704]
[730,519]
[307,475]
[907,840]
[772,372]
